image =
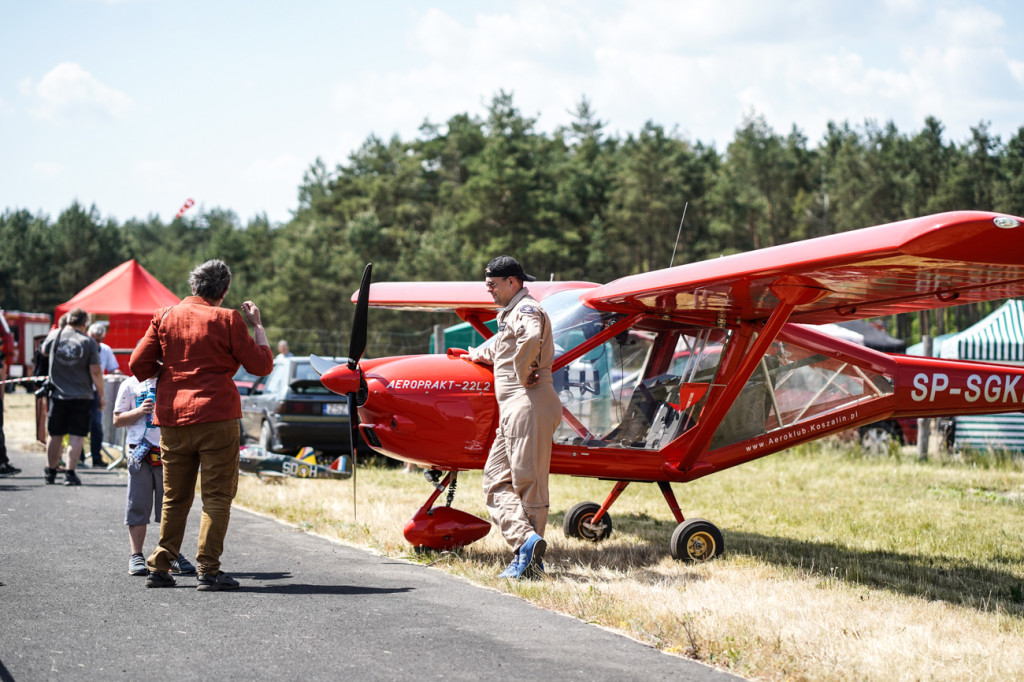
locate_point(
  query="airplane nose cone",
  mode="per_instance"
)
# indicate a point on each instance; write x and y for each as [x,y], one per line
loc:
[341,379]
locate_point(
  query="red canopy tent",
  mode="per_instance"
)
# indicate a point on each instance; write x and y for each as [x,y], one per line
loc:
[128,295]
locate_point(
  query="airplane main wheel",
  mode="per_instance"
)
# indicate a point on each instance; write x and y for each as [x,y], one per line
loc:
[577,523]
[696,541]
[879,438]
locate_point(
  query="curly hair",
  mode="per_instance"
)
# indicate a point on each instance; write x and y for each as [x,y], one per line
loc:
[210,280]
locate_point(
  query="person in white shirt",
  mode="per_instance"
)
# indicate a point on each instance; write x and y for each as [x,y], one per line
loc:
[108,365]
[282,351]
[133,410]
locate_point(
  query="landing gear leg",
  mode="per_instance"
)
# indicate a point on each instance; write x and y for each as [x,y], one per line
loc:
[670,497]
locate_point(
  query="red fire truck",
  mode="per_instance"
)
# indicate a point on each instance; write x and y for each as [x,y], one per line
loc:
[19,331]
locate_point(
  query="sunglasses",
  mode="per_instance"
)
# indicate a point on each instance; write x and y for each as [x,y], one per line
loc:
[492,285]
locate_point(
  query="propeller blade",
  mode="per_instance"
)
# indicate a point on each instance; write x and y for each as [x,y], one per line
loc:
[357,344]
[321,365]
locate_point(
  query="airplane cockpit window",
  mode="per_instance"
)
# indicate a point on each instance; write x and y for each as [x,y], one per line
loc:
[793,385]
[641,389]
[587,384]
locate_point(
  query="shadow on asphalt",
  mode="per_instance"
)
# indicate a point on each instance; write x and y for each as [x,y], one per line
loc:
[347,590]
[274,575]
[297,588]
[60,484]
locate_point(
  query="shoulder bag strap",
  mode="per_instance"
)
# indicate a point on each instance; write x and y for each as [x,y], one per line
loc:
[53,350]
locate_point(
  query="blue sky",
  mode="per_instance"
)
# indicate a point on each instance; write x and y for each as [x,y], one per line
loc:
[137,105]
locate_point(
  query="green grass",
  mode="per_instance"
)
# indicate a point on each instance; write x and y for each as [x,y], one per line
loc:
[931,530]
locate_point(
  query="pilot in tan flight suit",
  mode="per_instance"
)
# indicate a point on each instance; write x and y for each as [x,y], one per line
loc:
[515,478]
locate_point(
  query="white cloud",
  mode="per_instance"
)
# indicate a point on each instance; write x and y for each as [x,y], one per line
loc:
[699,66]
[975,26]
[533,34]
[68,91]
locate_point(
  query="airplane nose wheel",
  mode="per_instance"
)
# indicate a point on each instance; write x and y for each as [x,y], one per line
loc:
[697,541]
[578,523]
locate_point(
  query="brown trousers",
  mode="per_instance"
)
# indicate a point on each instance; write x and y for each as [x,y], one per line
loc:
[515,477]
[212,450]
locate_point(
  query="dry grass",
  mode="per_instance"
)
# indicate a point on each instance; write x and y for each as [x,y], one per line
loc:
[837,567]
[19,421]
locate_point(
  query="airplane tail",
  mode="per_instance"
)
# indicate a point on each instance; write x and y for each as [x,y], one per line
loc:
[340,464]
[307,455]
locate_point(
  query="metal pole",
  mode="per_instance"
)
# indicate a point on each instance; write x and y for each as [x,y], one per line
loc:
[924,426]
[439,339]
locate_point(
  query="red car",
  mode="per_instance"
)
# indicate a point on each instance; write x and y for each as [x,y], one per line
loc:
[244,381]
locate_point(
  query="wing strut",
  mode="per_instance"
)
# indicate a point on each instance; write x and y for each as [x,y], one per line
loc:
[721,403]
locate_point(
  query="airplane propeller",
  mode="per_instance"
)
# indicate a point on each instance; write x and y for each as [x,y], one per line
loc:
[346,379]
[356,347]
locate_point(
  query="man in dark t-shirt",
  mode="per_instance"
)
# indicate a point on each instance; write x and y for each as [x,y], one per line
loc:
[75,371]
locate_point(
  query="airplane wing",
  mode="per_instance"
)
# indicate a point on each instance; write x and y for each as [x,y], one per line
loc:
[452,296]
[919,264]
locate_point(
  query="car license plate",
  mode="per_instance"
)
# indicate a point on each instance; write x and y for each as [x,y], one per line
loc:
[336,409]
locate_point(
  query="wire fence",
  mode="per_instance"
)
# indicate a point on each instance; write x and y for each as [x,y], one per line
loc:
[328,343]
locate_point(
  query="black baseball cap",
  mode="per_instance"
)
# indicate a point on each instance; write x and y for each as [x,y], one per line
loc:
[507,266]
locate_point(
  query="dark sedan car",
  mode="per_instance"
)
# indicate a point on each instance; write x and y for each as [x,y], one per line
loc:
[290,409]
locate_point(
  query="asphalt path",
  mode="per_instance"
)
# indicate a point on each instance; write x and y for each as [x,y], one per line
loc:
[308,608]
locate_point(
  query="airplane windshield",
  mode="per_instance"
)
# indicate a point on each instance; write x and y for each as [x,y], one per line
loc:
[640,389]
[572,322]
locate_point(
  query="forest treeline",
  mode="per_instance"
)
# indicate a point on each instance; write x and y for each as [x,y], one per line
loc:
[578,203]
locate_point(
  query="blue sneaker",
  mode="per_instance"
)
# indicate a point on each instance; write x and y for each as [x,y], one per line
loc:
[182,566]
[531,556]
[512,569]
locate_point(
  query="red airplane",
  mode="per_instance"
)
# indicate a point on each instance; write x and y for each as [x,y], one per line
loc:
[671,375]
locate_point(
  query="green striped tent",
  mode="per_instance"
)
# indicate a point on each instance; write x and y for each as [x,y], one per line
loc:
[996,338]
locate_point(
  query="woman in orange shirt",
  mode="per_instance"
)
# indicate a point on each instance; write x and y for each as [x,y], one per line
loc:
[196,347]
